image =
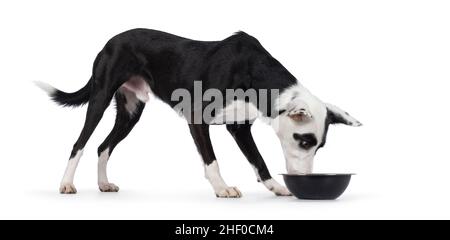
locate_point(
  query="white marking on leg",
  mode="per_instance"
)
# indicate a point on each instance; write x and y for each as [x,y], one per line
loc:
[102,164]
[222,190]
[67,186]
[103,183]
[212,173]
[276,188]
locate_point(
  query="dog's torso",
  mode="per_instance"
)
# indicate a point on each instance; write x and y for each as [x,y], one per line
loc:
[168,62]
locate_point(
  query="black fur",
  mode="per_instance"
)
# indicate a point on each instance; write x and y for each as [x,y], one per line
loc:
[243,137]
[123,125]
[331,118]
[335,118]
[77,98]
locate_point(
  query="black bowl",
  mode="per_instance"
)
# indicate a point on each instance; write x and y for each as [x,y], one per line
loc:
[317,186]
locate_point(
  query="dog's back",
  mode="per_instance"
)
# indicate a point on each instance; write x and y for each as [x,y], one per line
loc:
[170,62]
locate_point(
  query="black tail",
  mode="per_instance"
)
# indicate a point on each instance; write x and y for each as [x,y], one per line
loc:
[75,99]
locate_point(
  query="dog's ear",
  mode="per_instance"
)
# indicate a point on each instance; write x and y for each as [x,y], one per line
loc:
[336,115]
[298,111]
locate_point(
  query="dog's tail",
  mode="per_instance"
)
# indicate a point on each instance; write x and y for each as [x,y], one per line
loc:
[75,99]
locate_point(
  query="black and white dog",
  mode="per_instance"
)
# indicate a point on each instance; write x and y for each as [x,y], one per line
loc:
[140,62]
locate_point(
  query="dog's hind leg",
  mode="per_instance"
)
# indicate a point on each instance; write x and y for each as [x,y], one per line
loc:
[112,68]
[129,110]
[243,137]
[200,133]
[97,105]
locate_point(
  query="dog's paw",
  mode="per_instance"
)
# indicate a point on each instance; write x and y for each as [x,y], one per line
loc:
[229,192]
[67,188]
[108,187]
[277,188]
[282,191]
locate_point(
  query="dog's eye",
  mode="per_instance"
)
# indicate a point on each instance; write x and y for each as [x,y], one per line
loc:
[305,144]
[306,141]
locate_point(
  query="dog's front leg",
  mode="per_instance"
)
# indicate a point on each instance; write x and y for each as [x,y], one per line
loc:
[243,136]
[200,133]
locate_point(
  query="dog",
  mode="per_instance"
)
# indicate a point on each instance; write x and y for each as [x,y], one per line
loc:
[142,62]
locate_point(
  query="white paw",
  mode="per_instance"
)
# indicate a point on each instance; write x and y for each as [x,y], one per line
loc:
[277,188]
[357,124]
[67,188]
[108,187]
[281,191]
[229,192]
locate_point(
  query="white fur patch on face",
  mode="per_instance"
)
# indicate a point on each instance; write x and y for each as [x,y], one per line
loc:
[222,190]
[67,186]
[292,100]
[237,111]
[298,161]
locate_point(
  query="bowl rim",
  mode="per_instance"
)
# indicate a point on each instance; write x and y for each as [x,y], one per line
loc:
[318,174]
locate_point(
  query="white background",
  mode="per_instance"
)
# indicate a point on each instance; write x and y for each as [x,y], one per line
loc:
[386,62]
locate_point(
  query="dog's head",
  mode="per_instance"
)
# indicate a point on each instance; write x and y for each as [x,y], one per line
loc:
[302,127]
